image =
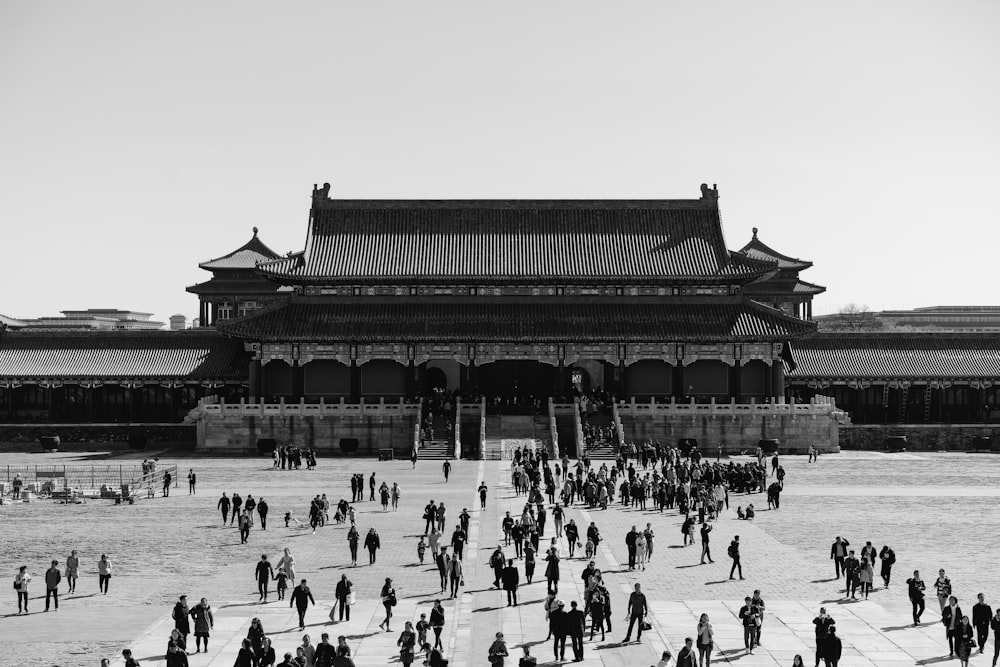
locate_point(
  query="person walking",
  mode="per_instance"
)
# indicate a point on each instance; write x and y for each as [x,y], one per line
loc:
[823,623]
[705,641]
[203,623]
[103,574]
[706,551]
[951,617]
[637,609]
[964,641]
[437,623]
[575,621]
[72,570]
[640,551]
[995,627]
[223,505]
[631,538]
[353,538]
[832,648]
[21,581]
[192,480]
[552,572]
[916,588]
[264,573]
[510,579]
[888,557]
[598,606]
[52,579]
[446,467]
[838,552]
[300,599]
[865,575]
[458,539]
[942,586]
[406,643]
[482,494]
[557,621]
[734,553]
[498,651]
[344,595]
[182,619]
[981,613]
[262,510]
[388,596]
[748,613]
[237,503]
[456,575]
[372,543]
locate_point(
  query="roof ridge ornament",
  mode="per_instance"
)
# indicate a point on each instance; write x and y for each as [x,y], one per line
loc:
[755,232]
[321,194]
[709,194]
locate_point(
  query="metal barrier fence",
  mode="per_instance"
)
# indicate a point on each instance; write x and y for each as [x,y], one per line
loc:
[86,480]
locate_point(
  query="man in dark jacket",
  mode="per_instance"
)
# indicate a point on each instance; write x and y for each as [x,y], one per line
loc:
[301,597]
[838,552]
[852,566]
[630,539]
[637,609]
[264,573]
[441,559]
[687,656]
[557,621]
[325,652]
[981,614]
[510,578]
[497,561]
[224,505]
[823,623]
[951,618]
[574,624]
[832,648]
[734,553]
[262,512]
[52,579]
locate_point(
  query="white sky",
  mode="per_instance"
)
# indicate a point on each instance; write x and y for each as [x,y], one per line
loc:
[138,139]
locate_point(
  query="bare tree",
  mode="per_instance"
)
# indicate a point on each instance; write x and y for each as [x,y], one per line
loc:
[854,317]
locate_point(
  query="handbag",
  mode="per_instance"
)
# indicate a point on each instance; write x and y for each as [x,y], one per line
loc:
[646,625]
[350,599]
[392,600]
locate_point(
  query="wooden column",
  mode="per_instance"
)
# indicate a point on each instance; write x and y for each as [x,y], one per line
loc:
[10,404]
[355,381]
[298,381]
[561,389]
[411,379]
[255,373]
[473,377]
[769,381]
[778,387]
[677,388]
[736,380]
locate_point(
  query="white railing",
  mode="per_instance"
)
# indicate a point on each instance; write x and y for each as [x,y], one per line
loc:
[822,405]
[619,429]
[553,431]
[416,426]
[221,409]
[482,428]
[458,429]
[578,427]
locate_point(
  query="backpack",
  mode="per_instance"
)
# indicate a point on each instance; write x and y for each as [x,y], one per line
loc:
[732,550]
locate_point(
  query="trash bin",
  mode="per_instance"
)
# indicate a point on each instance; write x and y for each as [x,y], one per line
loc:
[896,443]
[349,445]
[982,443]
[769,445]
[50,443]
[385,454]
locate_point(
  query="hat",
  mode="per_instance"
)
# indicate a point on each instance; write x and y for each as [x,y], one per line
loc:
[560,603]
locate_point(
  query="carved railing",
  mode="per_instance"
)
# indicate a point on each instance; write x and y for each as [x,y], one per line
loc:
[819,406]
[457,453]
[578,428]
[553,430]
[221,409]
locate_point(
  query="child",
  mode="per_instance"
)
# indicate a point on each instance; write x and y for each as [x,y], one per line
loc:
[129,660]
[288,517]
[282,579]
[421,548]
[422,626]
[590,548]
[739,513]
[350,513]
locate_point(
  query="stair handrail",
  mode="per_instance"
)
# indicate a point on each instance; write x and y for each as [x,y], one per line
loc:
[578,426]
[619,429]
[553,430]
[482,428]
[458,429]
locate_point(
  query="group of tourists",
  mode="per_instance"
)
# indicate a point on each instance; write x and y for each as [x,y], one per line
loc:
[54,578]
[290,457]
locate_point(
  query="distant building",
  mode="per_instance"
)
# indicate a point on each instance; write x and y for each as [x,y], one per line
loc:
[11,323]
[178,322]
[941,319]
[92,319]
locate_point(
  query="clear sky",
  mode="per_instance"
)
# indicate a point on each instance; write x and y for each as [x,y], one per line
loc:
[138,138]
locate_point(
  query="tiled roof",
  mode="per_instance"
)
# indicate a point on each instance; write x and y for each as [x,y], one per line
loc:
[243,286]
[897,356]
[757,249]
[153,355]
[245,257]
[528,322]
[515,241]
[778,286]
[10,322]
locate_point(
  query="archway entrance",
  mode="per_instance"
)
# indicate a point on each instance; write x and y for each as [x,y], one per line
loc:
[434,378]
[517,380]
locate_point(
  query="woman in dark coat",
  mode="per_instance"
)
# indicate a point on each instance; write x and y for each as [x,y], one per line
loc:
[407,640]
[176,657]
[267,656]
[256,636]
[203,623]
[964,640]
[552,572]
[388,601]
[245,658]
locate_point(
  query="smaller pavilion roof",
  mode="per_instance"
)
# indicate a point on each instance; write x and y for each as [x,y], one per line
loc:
[776,286]
[757,249]
[246,256]
[897,356]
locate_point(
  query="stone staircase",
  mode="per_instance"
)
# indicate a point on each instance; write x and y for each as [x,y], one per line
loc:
[566,429]
[602,421]
[437,450]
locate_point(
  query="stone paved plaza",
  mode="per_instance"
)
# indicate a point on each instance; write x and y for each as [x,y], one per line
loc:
[935,510]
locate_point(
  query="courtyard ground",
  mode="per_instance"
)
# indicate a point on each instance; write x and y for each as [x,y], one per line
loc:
[935,510]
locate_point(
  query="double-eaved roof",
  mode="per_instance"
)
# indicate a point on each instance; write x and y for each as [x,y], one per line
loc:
[897,356]
[515,242]
[107,356]
[316,319]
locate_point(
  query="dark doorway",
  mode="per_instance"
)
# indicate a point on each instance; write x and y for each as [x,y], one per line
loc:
[516,380]
[434,378]
[579,380]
